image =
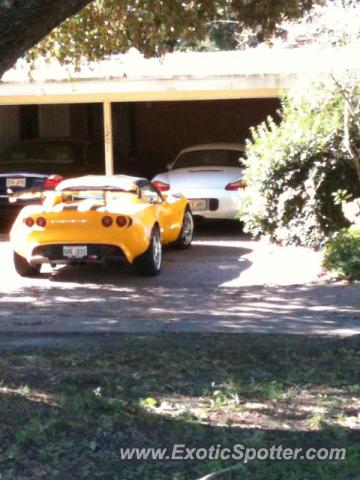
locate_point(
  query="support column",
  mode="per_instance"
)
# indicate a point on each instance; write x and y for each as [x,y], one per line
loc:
[108,139]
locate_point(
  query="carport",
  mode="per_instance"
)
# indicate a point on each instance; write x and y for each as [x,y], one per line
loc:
[168,93]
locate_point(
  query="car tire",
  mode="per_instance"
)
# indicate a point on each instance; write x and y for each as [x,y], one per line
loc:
[23,267]
[187,231]
[149,263]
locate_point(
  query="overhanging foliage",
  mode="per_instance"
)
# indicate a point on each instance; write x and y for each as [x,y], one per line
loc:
[155,27]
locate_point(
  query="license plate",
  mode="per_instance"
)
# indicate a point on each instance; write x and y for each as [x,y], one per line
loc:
[198,205]
[78,251]
[16,182]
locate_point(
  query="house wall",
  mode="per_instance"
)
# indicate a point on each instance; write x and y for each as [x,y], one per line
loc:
[79,125]
[150,134]
[147,135]
[164,128]
[9,126]
[54,121]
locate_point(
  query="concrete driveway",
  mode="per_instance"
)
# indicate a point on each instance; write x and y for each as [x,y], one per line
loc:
[225,283]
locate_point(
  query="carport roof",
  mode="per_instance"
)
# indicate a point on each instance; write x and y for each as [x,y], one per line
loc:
[254,73]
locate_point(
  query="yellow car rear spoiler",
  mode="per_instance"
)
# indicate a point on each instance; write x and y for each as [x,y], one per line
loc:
[54,196]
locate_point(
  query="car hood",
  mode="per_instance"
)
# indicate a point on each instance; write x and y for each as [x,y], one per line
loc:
[203,177]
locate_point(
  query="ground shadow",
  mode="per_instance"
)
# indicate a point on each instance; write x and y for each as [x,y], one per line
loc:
[72,307]
[194,266]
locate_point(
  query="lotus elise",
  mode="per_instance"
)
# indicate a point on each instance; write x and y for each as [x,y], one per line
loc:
[100,219]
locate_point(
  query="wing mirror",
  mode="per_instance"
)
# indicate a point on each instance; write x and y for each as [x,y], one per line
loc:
[152,198]
[168,166]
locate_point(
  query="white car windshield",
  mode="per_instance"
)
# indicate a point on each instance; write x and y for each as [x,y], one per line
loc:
[210,158]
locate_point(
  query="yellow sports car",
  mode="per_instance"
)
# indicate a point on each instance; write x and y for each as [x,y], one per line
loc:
[100,219]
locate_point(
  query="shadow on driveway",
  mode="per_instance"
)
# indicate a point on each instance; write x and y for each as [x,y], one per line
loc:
[320,309]
[188,296]
[202,265]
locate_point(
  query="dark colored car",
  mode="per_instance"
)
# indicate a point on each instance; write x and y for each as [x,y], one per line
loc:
[42,164]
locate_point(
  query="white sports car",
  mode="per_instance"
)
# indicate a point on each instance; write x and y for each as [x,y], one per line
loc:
[209,176]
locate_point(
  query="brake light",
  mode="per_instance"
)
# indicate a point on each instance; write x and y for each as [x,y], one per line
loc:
[107,221]
[239,184]
[161,186]
[41,222]
[121,221]
[29,222]
[52,182]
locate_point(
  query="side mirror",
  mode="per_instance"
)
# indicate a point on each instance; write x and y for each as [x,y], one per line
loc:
[168,166]
[152,198]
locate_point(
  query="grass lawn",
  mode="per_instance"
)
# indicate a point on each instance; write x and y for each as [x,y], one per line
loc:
[66,412]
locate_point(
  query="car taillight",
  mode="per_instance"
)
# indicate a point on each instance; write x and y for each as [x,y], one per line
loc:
[121,221]
[162,186]
[239,184]
[41,222]
[107,221]
[29,222]
[52,182]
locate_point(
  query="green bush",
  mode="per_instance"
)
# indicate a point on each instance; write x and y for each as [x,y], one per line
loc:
[342,253]
[295,167]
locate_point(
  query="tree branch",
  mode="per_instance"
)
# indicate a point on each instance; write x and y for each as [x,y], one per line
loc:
[23,23]
[349,110]
[347,97]
[347,141]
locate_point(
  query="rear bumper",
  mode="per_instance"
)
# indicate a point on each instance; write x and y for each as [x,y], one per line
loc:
[96,253]
[226,203]
[74,228]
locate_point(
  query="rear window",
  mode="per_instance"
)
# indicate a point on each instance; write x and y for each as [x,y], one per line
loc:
[210,158]
[39,153]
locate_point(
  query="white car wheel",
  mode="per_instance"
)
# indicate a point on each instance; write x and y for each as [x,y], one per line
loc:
[187,231]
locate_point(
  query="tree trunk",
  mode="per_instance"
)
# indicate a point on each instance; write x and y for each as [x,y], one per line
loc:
[350,111]
[23,23]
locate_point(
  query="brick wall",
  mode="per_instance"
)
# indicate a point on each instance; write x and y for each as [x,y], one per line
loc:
[164,128]
[154,132]
[9,126]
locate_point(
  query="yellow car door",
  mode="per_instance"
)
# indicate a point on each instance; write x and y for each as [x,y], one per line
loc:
[171,214]
[168,212]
